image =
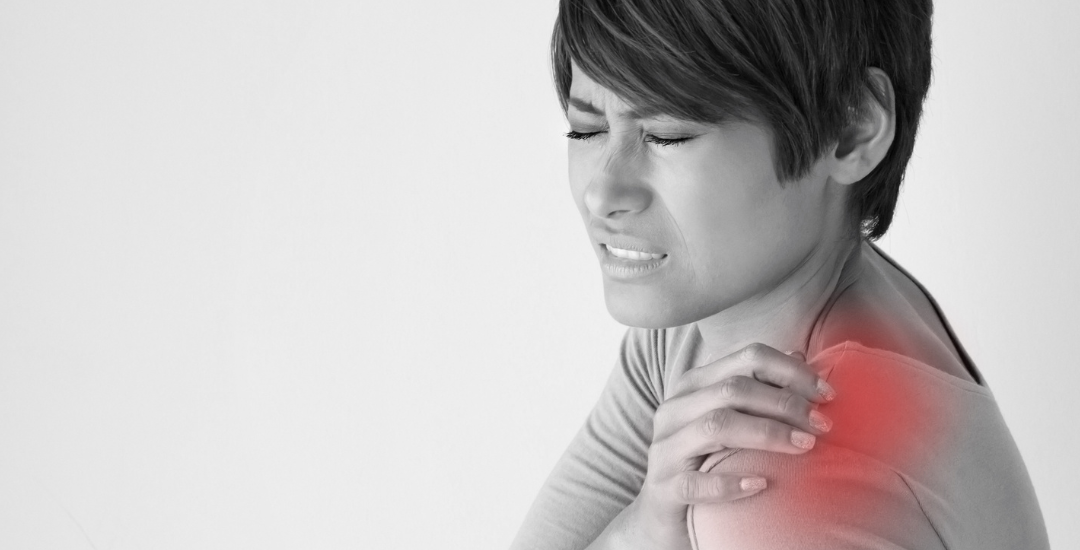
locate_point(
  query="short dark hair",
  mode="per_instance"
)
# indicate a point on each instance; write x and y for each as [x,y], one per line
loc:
[799,66]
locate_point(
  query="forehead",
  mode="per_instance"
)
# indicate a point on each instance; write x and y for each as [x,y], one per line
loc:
[585,88]
[590,97]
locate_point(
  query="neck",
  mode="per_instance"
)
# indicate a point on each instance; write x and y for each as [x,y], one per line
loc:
[784,317]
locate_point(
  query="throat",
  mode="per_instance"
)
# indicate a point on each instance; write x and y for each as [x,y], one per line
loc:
[787,317]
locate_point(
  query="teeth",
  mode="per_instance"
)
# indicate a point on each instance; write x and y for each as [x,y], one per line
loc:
[632,254]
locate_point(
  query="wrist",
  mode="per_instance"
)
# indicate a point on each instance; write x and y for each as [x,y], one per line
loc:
[637,529]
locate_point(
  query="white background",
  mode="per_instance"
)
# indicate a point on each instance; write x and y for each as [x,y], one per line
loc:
[307,274]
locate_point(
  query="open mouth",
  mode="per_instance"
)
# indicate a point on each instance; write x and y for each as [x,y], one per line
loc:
[633,254]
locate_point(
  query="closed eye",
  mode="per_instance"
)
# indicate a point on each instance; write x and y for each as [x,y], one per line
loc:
[584,136]
[663,142]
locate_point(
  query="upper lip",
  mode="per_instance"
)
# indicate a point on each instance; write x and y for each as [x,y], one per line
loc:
[627,243]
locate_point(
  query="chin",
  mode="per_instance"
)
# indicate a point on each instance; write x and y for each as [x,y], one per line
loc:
[645,308]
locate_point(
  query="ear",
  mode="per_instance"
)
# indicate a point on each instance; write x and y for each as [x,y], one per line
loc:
[865,142]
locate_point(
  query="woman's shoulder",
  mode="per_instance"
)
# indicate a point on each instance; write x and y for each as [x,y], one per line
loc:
[884,308]
[913,395]
[661,355]
[902,411]
[919,454]
[915,457]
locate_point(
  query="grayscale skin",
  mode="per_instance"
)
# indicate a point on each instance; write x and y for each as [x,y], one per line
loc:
[690,223]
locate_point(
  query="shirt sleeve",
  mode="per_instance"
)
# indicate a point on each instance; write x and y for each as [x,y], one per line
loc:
[603,469]
[830,497]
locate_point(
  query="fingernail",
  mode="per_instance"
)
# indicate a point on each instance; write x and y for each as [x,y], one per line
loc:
[802,440]
[825,390]
[797,354]
[752,484]
[820,421]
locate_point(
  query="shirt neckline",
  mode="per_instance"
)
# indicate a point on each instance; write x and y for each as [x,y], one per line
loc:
[969,364]
[849,346]
[850,273]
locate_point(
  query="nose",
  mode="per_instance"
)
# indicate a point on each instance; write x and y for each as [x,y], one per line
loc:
[617,188]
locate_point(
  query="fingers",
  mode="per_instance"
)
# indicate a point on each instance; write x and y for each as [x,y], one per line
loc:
[721,429]
[744,394]
[756,398]
[725,428]
[785,371]
[701,488]
[763,363]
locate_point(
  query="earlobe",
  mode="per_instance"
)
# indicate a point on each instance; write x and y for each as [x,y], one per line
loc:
[866,141]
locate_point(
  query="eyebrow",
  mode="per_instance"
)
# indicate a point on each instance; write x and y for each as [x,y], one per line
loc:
[636,113]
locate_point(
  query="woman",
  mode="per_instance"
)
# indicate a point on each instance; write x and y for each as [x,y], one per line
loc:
[732,162]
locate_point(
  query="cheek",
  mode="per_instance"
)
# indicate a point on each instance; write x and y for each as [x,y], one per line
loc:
[727,211]
[741,228]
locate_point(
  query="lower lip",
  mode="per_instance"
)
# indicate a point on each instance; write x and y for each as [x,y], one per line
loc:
[622,268]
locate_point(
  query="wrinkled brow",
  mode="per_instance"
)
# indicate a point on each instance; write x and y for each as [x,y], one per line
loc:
[636,113]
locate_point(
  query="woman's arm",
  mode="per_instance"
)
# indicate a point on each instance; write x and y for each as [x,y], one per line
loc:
[604,466]
[636,459]
[831,498]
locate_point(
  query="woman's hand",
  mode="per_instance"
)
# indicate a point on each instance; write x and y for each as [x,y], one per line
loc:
[756,398]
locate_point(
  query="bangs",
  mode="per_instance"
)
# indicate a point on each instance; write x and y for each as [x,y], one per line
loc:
[654,60]
[798,67]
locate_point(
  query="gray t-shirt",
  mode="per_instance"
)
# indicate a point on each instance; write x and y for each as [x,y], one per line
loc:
[917,458]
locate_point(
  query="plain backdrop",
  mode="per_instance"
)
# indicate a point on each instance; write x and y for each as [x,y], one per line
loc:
[307,274]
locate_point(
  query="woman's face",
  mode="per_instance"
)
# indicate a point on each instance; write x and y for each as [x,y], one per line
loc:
[716,226]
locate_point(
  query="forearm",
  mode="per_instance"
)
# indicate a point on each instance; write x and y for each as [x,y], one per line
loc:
[630,530]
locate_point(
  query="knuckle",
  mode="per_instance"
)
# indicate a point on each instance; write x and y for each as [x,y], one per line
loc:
[774,431]
[730,387]
[687,487]
[715,422]
[753,352]
[789,403]
[716,486]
